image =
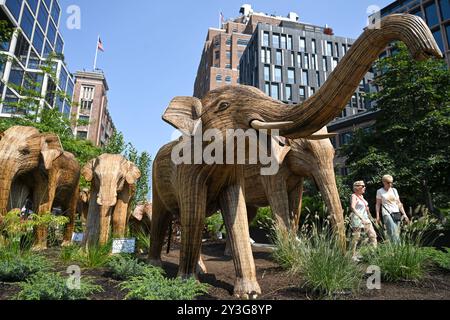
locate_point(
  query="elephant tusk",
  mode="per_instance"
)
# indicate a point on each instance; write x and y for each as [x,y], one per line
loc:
[322,136]
[260,125]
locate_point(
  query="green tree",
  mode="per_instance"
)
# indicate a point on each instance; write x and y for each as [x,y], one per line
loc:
[411,139]
[116,144]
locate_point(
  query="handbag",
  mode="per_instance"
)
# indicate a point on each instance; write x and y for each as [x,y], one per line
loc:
[396,216]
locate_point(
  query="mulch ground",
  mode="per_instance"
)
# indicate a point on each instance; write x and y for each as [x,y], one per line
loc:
[275,283]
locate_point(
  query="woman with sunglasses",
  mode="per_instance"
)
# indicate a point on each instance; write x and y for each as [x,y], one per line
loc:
[360,220]
[388,202]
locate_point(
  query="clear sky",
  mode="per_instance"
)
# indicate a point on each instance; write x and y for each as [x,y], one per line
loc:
[153,48]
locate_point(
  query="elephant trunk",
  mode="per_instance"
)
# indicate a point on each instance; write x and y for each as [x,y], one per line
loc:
[316,112]
[104,226]
[5,190]
[325,180]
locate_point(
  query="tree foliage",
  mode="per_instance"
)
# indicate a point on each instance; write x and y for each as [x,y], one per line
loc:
[412,133]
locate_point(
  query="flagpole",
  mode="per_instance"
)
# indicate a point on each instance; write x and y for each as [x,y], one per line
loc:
[96,53]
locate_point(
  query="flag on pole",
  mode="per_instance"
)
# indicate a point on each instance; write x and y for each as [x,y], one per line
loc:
[221,21]
[100,45]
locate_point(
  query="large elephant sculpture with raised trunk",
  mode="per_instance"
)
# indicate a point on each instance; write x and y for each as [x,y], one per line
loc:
[112,180]
[37,163]
[194,189]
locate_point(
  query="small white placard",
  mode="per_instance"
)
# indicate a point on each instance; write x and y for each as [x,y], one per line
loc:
[123,246]
[77,237]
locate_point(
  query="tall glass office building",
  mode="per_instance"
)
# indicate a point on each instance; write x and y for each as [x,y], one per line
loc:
[436,13]
[36,24]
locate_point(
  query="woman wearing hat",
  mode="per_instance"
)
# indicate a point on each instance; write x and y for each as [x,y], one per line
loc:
[360,221]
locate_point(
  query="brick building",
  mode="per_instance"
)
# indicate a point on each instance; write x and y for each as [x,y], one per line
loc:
[90,94]
[223,49]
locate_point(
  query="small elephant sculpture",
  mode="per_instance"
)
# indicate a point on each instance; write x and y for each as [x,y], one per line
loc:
[83,204]
[194,189]
[112,180]
[141,219]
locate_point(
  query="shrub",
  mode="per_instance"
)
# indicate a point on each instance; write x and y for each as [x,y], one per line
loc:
[52,286]
[404,261]
[318,259]
[70,253]
[18,267]
[152,285]
[264,219]
[124,267]
[215,225]
[95,257]
[438,257]
[142,240]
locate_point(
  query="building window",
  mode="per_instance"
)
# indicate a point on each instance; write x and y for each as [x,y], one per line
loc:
[263,55]
[51,32]
[275,91]
[329,49]
[242,42]
[290,44]
[228,79]
[314,61]
[38,39]
[55,11]
[43,17]
[337,49]
[87,97]
[276,40]
[288,92]
[438,36]
[334,63]
[267,88]
[82,135]
[344,50]
[266,73]
[217,54]
[219,78]
[228,66]
[277,75]
[14,7]
[302,93]
[84,118]
[305,77]
[318,79]
[312,91]
[228,42]
[445,10]
[283,42]
[431,14]
[291,75]
[27,22]
[299,60]
[228,54]
[314,47]
[302,44]
[306,61]
[266,39]
[279,57]
[447,29]
[346,138]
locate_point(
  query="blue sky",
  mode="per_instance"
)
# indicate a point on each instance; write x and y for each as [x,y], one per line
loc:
[153,48]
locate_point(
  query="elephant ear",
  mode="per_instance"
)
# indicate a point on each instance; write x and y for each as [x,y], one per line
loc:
[133,173]
[182,113]
[50,141]
[88,170]
[49,156]
[280,148]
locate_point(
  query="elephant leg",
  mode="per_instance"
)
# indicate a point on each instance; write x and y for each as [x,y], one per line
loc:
[71,213]
[232,202]
[295,205]
[159,226]
[105,225]
[277,194]
[120,214]
[43,198]
[251,214]
[193,213]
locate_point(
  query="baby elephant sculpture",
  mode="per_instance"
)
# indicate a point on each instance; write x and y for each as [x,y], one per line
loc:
[141,219]
[113,178]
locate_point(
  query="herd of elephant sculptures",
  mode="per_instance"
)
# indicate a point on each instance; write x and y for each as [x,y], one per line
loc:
[194,191]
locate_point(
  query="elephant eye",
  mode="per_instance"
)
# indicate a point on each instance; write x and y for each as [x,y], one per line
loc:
[24,150]
[223,106]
